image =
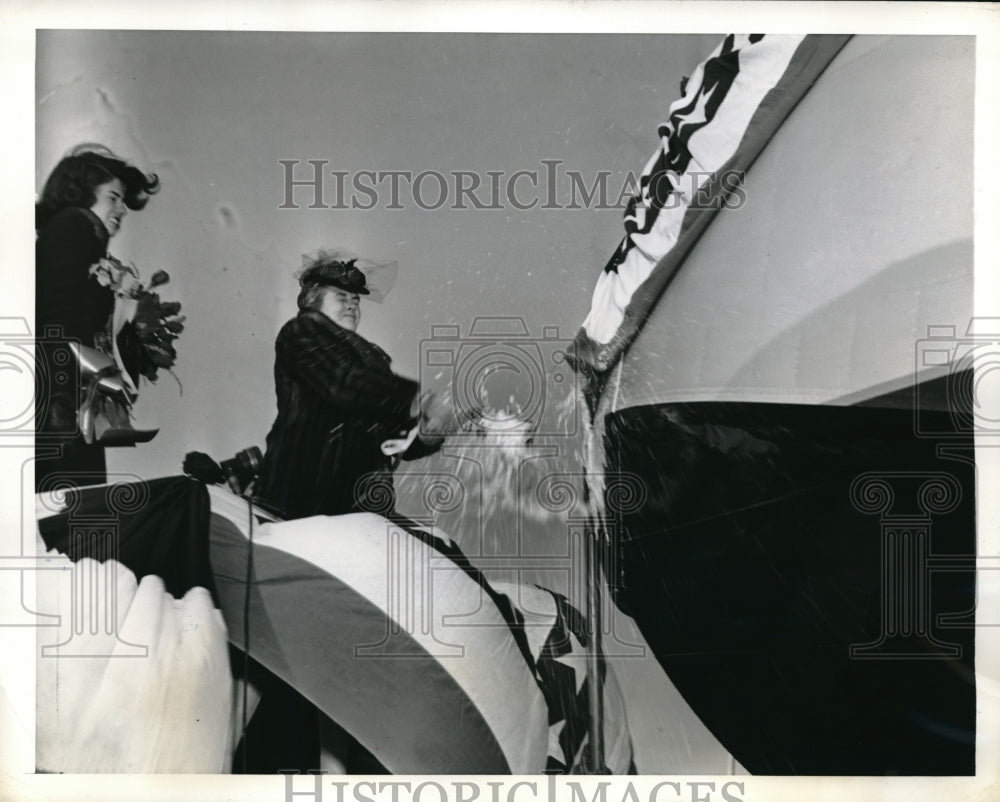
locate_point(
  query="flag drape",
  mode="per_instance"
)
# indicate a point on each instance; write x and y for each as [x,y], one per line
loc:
[730,108]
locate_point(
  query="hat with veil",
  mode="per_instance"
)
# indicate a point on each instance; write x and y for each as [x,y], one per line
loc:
[340,267]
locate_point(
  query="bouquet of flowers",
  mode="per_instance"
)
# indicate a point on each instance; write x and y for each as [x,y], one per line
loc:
[155,323]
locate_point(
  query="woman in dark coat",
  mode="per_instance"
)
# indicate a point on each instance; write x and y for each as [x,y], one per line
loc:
[338,401]
[81,208]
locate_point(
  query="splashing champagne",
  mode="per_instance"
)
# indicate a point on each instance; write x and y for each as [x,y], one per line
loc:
[512,468]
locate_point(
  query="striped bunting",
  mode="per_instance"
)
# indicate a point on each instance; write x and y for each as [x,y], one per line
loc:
[731,107]
[557,637]
[456,685]
[367,623]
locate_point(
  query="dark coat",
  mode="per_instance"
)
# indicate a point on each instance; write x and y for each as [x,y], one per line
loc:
[67,299]
[338,401]
[69,305]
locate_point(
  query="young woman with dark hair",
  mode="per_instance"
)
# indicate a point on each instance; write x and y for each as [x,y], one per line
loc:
[75,181]
[81,207]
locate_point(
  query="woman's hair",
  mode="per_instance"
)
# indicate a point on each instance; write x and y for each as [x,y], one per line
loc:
[74,180]
[311,295]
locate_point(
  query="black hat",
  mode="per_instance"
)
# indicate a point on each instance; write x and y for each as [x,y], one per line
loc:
[343,275]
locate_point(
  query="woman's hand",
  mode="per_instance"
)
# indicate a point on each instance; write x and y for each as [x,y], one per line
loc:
[439,417]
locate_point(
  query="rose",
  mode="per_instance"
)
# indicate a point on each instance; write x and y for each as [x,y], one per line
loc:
[122,279]
[103,276]
[105,273]
[157,323]
[158,278]
[129,285]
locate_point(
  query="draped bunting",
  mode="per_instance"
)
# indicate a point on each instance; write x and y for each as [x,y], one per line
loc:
[350,611]
[731,107]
